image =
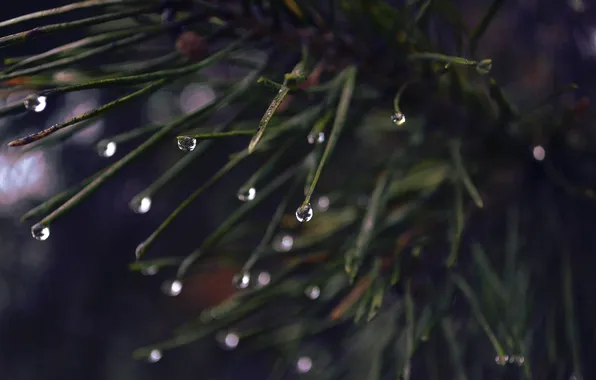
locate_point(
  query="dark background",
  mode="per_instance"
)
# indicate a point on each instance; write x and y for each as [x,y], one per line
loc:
[69,306]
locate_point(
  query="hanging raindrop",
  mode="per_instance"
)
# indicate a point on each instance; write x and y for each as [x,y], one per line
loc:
[35,102]
[398,118]
[141,205]
[241,280]
[106,148]
[313,292]
[247,194]
[154,356]
[172,288]
[484,67]
[186,143]
[283,243]
[318,138]
[502,360]
[228,339]
[40,232]
[304,213]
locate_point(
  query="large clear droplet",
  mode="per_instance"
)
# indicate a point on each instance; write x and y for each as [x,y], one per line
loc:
[241,280]
[228,339]
[141,205]
[303,364]
[304,213]
[313,292]
[186,143]
[318,138]
[106,148]
[154,356]
[172,288]
[35,102]
[283,243]
[40,232]
[398,118]
[247,194]
[484,67]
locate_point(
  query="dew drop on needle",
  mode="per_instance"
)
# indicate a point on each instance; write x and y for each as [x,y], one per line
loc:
[187,143]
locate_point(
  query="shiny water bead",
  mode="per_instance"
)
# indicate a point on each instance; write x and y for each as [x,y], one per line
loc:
[241,280]
[304,213]
[247,194]
[187,143]
[283,243]
[141,205]
[319,138]
[398,118]
[149,270]
[313,292]
[228,339]
[35,102]
[172,288]
[40,232]
[303,364]
[106,148]
[154,356]
[484,67]
[502,360]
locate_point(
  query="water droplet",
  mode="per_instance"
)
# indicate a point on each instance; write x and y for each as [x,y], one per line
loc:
[425,337]
[519,360]
[313,292]
[149,270]
[322,203]
[172,288]
[228,339]
[35,102]
[319,138]
[304,213]
[141,205]
[263,279]
[304,364]
[247,195]
[398,118]
[186,143]
[106,148]
[539,153]
[154,356]
[40,232]
[241,280]
[283,243]
[484,67]
[502,360]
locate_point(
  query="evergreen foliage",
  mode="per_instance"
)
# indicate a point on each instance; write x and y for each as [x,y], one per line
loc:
[405,229]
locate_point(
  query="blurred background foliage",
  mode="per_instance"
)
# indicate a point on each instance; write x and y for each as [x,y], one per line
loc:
[516,305]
